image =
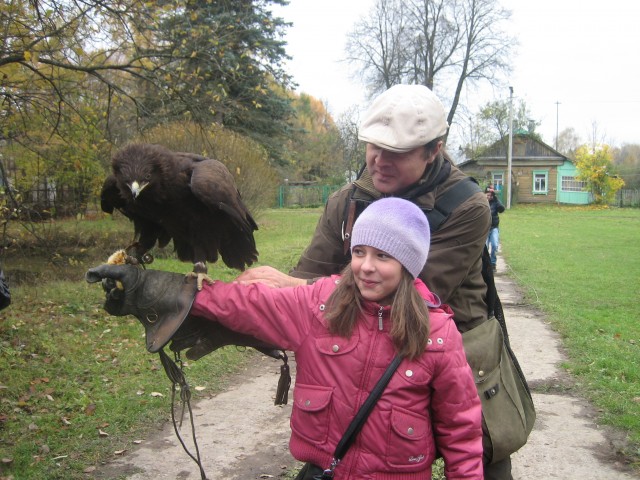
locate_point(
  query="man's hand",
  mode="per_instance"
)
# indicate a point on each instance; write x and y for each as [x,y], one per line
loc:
[269,276]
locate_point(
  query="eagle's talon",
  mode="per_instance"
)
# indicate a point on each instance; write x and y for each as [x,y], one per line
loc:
[200,279]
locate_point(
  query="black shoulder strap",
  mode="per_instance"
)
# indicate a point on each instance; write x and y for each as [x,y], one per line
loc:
[450,200]
[358,421]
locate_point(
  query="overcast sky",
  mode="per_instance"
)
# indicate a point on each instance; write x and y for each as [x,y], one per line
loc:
[583,54]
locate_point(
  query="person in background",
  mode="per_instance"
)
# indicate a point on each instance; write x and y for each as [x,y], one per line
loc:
[404,130]
[493,239]
[345,330]
[5,293]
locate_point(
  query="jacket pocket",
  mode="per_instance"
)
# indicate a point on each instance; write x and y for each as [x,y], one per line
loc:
[410,441]
[311,411]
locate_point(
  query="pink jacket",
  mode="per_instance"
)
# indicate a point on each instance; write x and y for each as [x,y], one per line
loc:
[430,404]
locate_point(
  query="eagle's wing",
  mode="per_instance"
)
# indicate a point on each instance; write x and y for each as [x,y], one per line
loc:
[213,185]
[110,198]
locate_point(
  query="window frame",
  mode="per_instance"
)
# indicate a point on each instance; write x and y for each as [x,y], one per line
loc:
[499,185]
[575,185]
[534,189]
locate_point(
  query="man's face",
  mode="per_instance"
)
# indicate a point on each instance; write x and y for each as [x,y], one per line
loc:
[392,172]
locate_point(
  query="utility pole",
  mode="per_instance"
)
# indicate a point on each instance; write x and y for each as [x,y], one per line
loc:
[510,150]
[557,105]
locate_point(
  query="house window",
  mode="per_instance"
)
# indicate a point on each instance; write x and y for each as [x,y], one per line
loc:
[540,182]
[497,180]
[570,184]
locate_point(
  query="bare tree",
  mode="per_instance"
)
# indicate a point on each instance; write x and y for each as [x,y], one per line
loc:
[443,44]
[353,154]
[377,43]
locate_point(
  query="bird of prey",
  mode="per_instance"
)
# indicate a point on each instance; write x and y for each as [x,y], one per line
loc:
[181,196]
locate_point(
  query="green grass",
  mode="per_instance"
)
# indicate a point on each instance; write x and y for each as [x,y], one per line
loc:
[70,371]
[581,266]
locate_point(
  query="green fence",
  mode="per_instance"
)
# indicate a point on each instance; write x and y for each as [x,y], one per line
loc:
[304,195]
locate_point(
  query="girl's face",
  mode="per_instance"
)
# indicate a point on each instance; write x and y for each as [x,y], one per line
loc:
[377,274]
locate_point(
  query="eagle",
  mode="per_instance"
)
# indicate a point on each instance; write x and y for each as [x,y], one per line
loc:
[184,197]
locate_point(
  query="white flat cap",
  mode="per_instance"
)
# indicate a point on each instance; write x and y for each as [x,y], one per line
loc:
[403,118]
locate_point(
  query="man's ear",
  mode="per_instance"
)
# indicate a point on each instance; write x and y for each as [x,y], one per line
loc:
[434,153]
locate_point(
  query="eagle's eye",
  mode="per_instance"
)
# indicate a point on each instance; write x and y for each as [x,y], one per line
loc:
[147,176]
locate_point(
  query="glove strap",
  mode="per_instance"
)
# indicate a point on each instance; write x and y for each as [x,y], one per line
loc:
[282,392]
[177,377]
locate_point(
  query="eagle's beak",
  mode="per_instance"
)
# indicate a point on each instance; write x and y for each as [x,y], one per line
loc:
[136,188]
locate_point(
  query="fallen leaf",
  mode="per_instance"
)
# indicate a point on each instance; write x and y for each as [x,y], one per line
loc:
[91,408]
[265,475]
[156,394]
[65,421]
[50,398]
[102,434]
[33,427]
[7,460]
[137,442]
[89,470]
[199,389]
[119,452]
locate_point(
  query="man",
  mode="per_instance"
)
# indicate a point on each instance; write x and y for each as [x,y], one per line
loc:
[404,130]
[493,240]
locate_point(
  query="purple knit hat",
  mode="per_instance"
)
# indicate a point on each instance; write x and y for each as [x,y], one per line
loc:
[397,227]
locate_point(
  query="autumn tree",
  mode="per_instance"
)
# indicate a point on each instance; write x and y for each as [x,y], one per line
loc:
[225,66]
[627,162]
[315,147]
[442,44]
[568,142]
[595,168]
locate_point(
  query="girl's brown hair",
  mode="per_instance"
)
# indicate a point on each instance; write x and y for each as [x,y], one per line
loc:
[409,313]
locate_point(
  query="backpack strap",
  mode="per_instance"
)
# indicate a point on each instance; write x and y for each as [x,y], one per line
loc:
[450,200]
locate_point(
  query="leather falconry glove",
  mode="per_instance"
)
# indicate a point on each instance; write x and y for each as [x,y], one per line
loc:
[159,300]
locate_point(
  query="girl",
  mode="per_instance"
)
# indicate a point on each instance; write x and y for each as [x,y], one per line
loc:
[345,330]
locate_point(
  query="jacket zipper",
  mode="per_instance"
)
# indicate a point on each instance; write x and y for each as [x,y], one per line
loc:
[380,311]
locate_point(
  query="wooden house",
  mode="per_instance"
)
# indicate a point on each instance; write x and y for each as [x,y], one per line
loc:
[539,173]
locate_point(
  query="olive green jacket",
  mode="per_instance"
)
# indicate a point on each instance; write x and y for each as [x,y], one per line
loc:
[454,265]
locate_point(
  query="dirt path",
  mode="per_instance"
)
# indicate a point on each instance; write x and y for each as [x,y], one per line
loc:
[242,435]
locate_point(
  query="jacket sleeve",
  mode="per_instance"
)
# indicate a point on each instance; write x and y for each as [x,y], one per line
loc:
[280,316]
[457,412]
[325,256]
[499,206]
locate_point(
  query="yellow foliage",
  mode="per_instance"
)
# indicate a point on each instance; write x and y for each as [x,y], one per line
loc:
[595,167]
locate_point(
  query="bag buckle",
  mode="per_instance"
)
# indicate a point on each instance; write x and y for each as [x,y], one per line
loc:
[328,473]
